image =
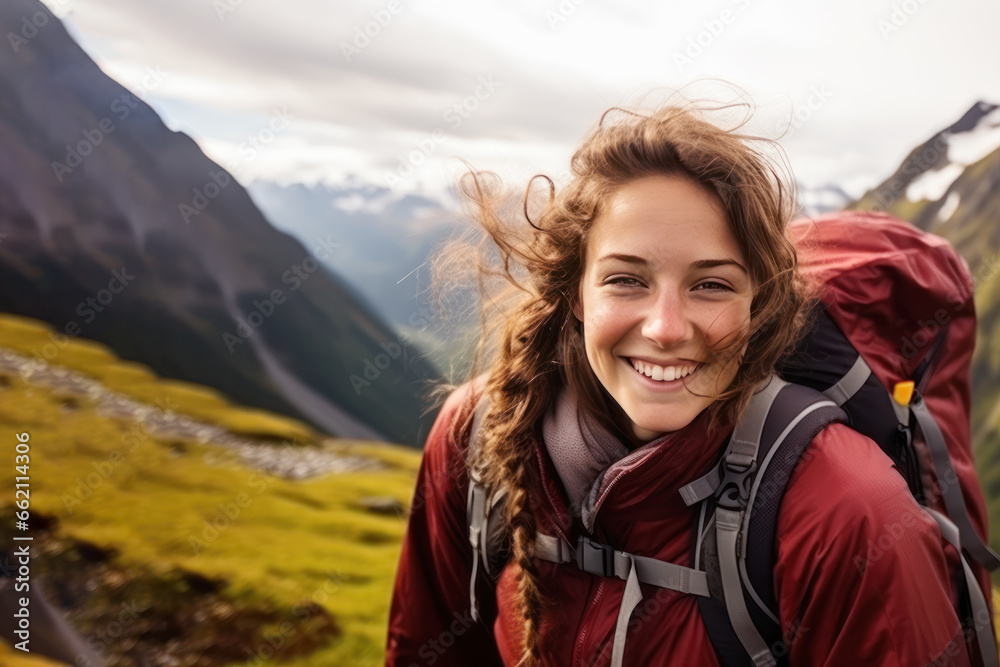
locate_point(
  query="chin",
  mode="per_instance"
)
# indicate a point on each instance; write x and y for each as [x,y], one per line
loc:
[649,429]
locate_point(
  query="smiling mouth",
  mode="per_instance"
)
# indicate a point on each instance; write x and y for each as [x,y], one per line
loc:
[663,374]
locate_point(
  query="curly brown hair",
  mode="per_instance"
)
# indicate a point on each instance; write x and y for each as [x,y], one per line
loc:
[528,268]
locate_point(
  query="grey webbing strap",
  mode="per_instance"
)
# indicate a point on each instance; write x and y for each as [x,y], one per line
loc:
[743,450]
[702,487]
[552,549]
[755,488]
[671,576]
[489,537]
[743,445]
[602,560]
[849,385]
[476,506]
[982,623]
[745,442]
[630,599]
[727,526]
[954,502]
[476,509]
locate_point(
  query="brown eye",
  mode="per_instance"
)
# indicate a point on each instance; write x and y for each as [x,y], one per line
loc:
[626,281]
[713,286]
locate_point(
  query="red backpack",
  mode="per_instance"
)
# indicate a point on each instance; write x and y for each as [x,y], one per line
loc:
[888,352]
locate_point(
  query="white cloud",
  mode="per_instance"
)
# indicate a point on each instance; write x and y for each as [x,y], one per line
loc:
[359,117]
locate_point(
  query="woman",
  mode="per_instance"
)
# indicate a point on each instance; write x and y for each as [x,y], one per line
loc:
[653,295]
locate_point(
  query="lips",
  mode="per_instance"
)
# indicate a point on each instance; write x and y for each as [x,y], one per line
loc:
[664,373]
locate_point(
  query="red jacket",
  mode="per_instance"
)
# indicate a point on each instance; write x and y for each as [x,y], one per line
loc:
[861,578]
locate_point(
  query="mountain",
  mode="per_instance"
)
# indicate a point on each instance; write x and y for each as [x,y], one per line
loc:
[822,199]
[382,240]
[950,185]
[384,244]
[116,228]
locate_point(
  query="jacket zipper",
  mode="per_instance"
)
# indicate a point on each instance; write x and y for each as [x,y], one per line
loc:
[588,620]
[592,608]
[611,485]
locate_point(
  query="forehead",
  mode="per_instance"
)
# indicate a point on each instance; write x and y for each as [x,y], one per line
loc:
[671,218]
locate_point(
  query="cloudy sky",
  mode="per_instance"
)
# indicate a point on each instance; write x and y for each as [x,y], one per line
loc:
[394,92]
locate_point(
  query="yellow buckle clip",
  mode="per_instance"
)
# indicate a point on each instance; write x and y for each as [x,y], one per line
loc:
[903,392]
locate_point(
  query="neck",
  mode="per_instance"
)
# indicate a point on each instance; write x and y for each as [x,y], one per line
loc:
[624,429]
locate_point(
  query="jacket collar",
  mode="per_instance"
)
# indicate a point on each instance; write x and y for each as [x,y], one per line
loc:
[586,463]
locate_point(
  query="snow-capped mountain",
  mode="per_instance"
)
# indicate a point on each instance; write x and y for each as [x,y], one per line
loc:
[822,199]
[382,240]
[950,179]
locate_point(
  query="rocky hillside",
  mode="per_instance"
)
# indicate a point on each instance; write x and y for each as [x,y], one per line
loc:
[115,228]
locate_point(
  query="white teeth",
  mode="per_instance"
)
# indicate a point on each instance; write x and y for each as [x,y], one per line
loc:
[660,373]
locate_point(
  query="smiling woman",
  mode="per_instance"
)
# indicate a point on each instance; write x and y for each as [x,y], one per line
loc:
[626,328]
[656,306]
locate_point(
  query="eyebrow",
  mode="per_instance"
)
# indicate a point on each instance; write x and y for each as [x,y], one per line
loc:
[700,264]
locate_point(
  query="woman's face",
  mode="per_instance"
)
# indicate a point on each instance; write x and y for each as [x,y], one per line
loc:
[665,285]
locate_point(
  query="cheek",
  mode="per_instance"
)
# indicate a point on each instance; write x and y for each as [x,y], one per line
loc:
[722,326]
[605,326]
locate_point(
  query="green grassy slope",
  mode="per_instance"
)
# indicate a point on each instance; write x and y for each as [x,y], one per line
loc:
[224,557]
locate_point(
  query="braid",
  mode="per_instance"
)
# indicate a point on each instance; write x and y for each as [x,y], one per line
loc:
[518,400]
[522,523]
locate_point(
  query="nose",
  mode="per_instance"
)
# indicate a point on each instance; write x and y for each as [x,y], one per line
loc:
[668,321]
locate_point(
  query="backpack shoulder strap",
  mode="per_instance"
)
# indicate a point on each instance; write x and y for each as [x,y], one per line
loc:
[483,510]
[735,530]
